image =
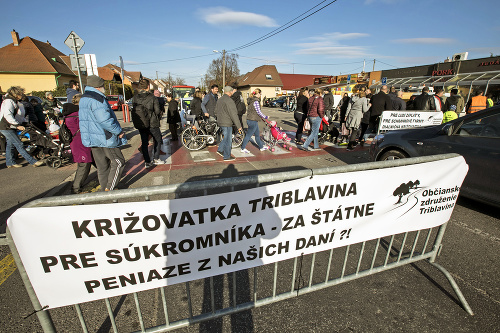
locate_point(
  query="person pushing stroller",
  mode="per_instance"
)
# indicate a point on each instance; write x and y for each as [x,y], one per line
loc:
[253,116]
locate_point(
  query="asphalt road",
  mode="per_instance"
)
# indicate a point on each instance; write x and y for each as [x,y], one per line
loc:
[413,298]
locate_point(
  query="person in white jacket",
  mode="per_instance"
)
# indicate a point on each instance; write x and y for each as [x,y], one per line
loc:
[358,106]
[11,118]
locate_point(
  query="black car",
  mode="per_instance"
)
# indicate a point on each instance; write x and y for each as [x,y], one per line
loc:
[475,136]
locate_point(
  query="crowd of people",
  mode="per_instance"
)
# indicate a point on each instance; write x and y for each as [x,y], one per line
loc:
[98,136]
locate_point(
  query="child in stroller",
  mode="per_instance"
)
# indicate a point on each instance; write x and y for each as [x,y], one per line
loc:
[42,145]
[274,135]
[327,131]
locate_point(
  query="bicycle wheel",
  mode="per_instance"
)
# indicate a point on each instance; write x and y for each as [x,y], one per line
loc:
[237,139]
[193,139]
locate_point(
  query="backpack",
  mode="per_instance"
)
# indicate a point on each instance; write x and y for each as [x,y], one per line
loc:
[65,135]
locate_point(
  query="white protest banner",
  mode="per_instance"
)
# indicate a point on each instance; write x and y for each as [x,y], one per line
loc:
[394,120]
[74,254]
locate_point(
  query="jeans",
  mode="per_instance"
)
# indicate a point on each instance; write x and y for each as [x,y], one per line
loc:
[226,142]
[253,129]
[13,140]
[313,135]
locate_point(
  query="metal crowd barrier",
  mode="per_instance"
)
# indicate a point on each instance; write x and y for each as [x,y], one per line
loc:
[261,285]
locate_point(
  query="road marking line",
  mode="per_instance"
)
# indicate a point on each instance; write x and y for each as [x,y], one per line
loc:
[202,156]
[7,267]
[478,232]
[158,181]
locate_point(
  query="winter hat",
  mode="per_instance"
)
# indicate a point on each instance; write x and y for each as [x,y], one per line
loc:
[228,89]
[95,81]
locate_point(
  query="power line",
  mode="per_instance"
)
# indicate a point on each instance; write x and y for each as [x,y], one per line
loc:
[155,62]
[283,27]
[387,64]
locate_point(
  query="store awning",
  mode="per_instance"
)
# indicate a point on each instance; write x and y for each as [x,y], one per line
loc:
[479,78]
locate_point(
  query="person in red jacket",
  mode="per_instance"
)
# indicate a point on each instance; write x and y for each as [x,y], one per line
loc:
[316,112]
[81,155]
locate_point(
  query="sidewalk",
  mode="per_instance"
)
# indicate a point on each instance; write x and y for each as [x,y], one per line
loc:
[182,165]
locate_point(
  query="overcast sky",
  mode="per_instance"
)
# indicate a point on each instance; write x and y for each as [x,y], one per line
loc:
[151,35]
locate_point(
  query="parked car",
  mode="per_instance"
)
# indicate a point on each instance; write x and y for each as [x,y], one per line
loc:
[475,136]
[280,101]
[115,101]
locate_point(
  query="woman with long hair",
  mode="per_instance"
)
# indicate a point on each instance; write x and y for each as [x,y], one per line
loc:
[253,116]
[12,115]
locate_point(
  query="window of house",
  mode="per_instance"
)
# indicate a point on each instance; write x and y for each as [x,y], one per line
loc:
[269,77]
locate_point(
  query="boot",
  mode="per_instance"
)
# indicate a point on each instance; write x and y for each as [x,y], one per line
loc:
[350,146]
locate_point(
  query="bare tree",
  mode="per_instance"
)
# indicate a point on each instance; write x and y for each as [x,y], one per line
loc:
[214,71]
[171,81]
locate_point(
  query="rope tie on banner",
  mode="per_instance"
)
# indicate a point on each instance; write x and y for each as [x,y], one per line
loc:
[35,311]
[300,278]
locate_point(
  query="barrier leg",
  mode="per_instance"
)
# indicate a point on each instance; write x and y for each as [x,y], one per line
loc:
[43,316]
[455,287]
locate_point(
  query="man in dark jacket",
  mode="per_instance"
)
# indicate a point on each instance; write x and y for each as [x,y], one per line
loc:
[380,102]
[74,88]
[398,104]
[328,101]
[227,116]
[424,101]
[237,97]
[146,115]
[209,101]
[456,100]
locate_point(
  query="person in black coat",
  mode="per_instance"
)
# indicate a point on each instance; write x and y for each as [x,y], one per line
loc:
[146,115]
[380,102]
[300,113]
[424,101]
[237,97]
[195,105]
[173,116]
[343,104]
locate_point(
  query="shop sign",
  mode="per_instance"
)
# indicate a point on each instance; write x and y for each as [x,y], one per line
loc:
[490,63]
[442,72]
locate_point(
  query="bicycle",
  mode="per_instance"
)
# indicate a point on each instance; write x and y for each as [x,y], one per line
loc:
[207,133]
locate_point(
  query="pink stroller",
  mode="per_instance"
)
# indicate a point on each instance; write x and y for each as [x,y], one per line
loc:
[273,135]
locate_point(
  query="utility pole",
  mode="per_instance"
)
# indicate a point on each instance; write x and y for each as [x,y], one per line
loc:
[156,75]
[223,68]
[364,62]
[373,65]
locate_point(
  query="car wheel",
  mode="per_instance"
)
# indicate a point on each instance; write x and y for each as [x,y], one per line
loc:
[392,155]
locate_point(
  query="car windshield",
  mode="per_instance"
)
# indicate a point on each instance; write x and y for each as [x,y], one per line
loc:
[485,127]
[182,92]
[112,98]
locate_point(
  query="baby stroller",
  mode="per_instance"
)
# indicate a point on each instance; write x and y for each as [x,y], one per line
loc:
[273,135]
[327,132]
[43,146]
